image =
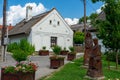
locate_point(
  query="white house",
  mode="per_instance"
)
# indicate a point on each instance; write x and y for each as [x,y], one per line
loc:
[46,29]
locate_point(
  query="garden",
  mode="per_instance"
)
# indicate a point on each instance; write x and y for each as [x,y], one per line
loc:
[75,71]
[24,68]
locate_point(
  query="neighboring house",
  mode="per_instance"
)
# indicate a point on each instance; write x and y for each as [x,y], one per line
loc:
[46,29]
[80,27]
[9,27]
[101,16]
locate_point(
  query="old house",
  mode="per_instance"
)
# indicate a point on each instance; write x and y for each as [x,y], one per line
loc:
[8,28]
[46,29]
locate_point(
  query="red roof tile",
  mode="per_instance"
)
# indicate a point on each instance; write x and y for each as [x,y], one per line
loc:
[9,27]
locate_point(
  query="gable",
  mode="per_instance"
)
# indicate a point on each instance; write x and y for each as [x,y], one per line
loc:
[53,23]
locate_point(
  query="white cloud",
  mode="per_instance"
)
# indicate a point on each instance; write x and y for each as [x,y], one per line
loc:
[1,21]
[99,10]
[17,13]
[71,21]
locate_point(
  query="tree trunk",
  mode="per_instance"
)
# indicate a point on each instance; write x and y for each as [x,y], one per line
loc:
[108,60]
[108,64]
[116,59]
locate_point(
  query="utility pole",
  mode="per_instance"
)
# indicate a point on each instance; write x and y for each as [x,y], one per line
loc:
[85,17]
[3,30]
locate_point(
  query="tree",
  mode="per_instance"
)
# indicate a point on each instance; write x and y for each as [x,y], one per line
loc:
[93,17]
[78,37]
[82,19]
[109,29]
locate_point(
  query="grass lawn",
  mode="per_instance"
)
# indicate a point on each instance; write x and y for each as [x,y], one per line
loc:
[74,71]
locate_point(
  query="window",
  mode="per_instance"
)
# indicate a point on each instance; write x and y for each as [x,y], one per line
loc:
[58,23]
[50,21]
[53,41]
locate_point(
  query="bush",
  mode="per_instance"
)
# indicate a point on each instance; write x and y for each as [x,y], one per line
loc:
[56,49]
[111,56]
[78,38]
[72,49]
[21,50]
[19,55]
[12,46]
[26,46]
[44,47]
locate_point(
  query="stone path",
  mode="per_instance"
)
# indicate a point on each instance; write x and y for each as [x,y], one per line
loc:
[42,61]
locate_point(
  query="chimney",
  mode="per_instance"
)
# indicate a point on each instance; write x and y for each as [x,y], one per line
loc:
[28,13]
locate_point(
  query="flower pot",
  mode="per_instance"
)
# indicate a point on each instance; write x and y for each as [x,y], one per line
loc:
[43,52]
[63,52]
[71,57]
[56,63]
[17,75]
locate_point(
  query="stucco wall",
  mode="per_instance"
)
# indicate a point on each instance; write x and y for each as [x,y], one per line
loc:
[43,31]
[16,38]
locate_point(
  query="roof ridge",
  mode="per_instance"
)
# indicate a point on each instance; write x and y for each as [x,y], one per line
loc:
[25,27]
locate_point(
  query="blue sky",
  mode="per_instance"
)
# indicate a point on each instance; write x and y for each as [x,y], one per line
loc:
[67,8]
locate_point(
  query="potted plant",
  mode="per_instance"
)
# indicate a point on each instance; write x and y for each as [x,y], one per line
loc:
[64,51]
[56,60]
[43,52]
[23,70]
[72,54]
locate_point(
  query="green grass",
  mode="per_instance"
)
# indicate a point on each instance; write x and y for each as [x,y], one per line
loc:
[74,71]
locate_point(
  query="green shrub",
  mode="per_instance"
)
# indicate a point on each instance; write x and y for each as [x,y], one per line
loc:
[78,37]
[26,46]
[111,56]
[12,46]
[44,48]
[19,55]
[72,49]
[10,69]
[56,49]
[21,50]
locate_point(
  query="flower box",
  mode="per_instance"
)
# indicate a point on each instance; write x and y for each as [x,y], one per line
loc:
[17,75]
[43,52]
[56,62]
[64,52]
[71,57]
[22,71]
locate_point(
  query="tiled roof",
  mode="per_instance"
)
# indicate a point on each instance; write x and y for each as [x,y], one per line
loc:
[80,27]
[24,27]
[9,27]
[102,16]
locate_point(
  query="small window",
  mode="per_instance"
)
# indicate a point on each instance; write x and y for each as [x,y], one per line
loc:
[58,23]
[50,21]
[53,41]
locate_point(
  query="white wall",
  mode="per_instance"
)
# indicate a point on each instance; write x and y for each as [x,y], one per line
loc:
[16,38]
[44,30]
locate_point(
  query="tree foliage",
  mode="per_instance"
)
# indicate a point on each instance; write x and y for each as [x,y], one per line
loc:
[78,37]
[81,20]
[109,29]
[93,17]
